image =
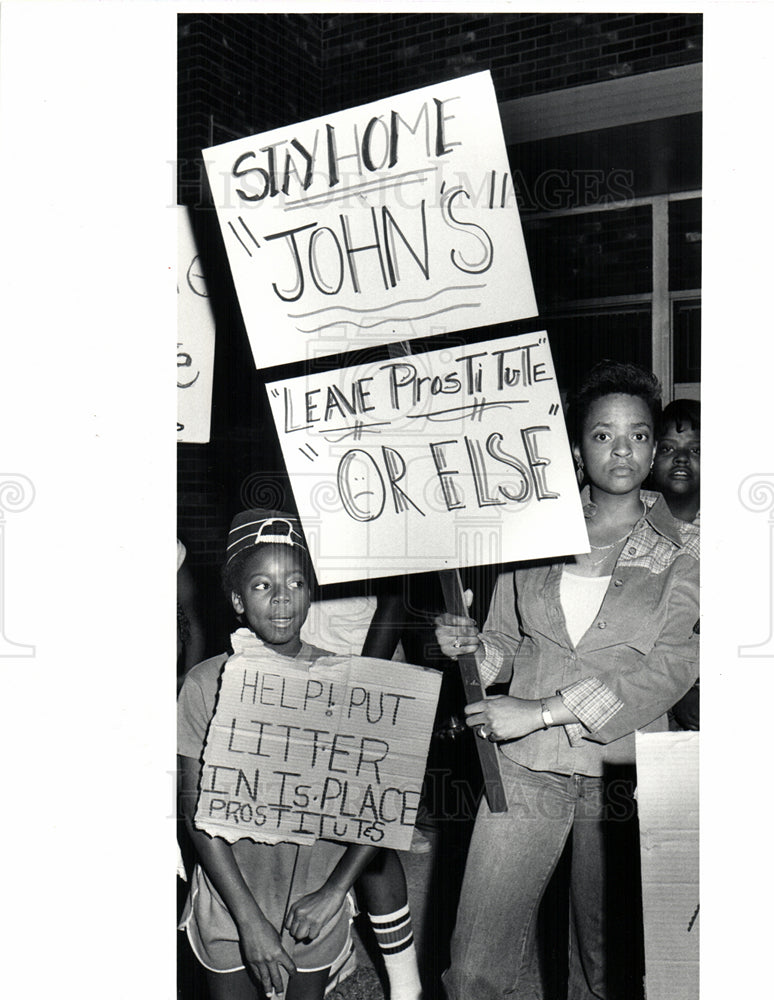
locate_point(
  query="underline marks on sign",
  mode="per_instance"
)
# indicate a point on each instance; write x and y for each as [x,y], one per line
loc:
[391,319]
[474,410]
[553,409]
[368,187]
[356,431]
[400,302]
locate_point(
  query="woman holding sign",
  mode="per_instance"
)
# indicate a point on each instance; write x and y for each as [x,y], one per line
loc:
[594,647]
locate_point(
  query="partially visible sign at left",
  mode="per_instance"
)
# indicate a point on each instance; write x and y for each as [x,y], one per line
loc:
[195,338]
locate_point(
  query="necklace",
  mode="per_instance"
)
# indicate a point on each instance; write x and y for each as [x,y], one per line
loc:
[623,538]
[611,545]
[605,550]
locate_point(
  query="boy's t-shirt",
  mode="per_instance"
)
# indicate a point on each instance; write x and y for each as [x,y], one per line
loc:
[266,868]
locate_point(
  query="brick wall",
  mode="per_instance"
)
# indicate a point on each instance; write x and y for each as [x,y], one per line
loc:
[367,56]
[201,505]
[242,74]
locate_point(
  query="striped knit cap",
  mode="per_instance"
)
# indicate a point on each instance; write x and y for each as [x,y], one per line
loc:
[256,527]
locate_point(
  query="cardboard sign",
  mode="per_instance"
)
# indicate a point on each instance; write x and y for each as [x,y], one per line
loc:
[334,751]
[195,339]
[381,223]
[456,457]
[668,807]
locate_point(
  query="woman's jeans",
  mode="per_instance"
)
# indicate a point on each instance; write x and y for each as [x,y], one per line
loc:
[512,857]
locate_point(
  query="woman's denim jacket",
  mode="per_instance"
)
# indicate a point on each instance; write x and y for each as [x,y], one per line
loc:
[637,658]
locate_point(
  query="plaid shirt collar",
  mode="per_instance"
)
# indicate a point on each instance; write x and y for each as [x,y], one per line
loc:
[657,515]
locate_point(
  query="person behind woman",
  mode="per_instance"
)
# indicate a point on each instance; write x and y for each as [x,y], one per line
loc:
[677,476]
[595,647]
[677,465]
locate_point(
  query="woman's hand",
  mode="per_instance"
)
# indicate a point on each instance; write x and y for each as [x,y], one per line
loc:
[504,718]
[309,914]
[457,634]
[264,955]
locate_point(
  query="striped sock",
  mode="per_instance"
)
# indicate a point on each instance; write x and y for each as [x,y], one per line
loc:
[395,938]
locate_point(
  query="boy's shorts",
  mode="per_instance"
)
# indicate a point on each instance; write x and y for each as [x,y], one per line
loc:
[211,929]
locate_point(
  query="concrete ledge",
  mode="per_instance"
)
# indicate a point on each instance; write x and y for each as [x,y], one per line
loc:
[639,98]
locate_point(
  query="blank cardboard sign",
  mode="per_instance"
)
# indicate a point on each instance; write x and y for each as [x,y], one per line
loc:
[668,807]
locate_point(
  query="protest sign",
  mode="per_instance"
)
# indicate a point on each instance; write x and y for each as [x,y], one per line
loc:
[335,750]
[384,222]
[195,339]
[668,809]
[455,457]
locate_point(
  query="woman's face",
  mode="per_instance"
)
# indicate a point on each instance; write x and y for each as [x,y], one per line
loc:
[617,443]
[676,469]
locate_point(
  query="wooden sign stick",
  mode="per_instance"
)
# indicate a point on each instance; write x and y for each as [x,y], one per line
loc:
[451,584]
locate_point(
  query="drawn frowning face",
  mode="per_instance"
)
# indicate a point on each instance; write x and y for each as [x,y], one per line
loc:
[361,486]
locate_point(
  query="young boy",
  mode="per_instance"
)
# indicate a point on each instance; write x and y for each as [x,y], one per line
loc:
[237,902]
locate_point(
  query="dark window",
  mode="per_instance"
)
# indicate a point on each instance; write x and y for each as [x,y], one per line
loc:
[686,327]
[579,340]
[590,255]
[608,166]
[685,244]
